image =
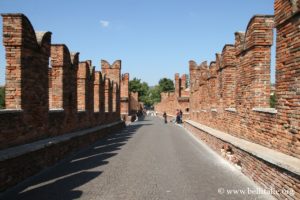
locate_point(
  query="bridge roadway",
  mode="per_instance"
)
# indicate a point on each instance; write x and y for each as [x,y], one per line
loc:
[147,160]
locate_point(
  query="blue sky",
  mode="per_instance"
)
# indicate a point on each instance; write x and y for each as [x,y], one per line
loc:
[153,38]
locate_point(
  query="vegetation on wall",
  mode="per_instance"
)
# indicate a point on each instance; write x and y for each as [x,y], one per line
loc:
[273,101]
[2,97]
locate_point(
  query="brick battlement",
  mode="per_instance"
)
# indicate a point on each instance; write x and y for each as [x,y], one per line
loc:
[232,96]
[239,80]
[179,99]
[243,83]
[51,96]
[65,96]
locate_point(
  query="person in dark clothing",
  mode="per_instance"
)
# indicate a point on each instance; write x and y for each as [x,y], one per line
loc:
[165,117]
[180,115]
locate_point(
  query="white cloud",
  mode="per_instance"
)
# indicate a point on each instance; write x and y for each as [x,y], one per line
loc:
[104,23]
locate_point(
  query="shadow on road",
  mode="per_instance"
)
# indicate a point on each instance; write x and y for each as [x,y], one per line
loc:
[59,181]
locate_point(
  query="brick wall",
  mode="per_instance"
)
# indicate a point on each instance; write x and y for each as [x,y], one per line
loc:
[49,92]
[287,22]
[265,174]
[226,64]
[27,87]
[179,99]
[113,72]
[125,98]
[134,103]
[243,91]
[233,93]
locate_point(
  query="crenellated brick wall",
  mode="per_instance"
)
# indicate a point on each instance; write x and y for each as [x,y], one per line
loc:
[236,101]
[125,105]
[45,101]
[231,97]
[113,72]
[234,92]
[135,105]
[226,64]
[179,99]
[49,93]
[287,22]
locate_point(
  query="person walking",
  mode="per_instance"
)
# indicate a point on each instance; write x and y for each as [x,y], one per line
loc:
[165,117]
[180,115]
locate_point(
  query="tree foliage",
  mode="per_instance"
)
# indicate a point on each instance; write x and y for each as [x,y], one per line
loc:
[166,85]
[150,96]
[141,88]
[2,97]
[153,96]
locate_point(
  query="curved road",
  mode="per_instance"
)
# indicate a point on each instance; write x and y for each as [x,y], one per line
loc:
[147,160]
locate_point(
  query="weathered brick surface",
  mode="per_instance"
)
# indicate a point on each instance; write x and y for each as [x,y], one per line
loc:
[124,99]
[82,85]
[14,170]
[233,93]
[27,87]
[97,91]
[113,72]
[287,23]
[242,84]
[135,105]
[114,97]
[226,64]
[45,101]
[107,92]
[129,103]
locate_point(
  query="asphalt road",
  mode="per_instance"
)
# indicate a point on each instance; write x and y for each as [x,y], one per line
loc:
[147,160]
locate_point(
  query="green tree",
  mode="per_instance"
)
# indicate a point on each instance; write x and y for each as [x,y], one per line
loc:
[153,96]
[166,85]
[142,88]
[150,96]
[2,97]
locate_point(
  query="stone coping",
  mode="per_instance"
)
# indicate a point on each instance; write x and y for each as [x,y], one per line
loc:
[13,152]
[276,158]
[230,109]
[124,98]
[265,110]
[56,110]
[2,111]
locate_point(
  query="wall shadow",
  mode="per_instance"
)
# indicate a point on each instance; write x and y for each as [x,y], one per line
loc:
[58,182]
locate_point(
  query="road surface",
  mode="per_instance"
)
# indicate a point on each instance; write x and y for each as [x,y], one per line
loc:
[147,160]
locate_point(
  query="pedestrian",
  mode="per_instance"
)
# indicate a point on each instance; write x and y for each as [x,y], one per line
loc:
[180,115]
[165,117]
